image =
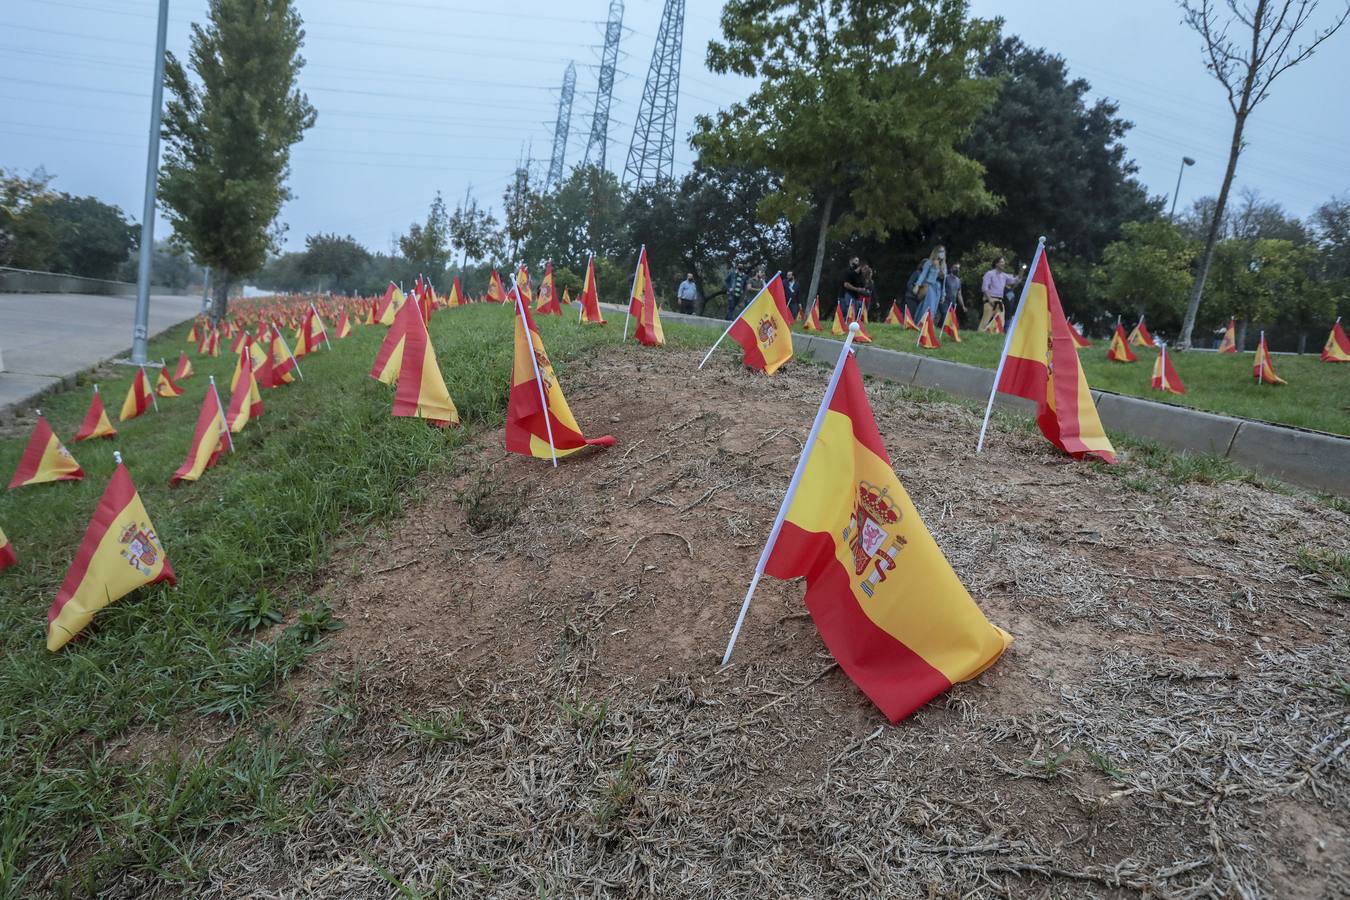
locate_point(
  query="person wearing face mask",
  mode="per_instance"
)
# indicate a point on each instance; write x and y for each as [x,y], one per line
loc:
[932,284]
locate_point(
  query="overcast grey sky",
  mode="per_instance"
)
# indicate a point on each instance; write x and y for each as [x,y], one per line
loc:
[416,96]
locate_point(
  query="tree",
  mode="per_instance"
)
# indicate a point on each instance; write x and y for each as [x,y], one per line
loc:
[428,246]
[26,237]
[1147,272]
[582,215]
[1053,158]
[520,204]
[229,136]
[1246,66]
[341,260]
[91,238]
[861,104]
[473,232]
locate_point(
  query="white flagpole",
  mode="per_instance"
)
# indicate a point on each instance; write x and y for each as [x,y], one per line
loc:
[538,379]
[732,323]
[792,487]
[287,347]
[1007,339]
[642,255]
[224,417]
[153,390]
[321,322]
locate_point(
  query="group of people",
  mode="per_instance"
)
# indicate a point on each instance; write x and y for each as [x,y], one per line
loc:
[932,288]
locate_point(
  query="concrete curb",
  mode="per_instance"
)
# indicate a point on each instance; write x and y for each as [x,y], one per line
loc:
[1310,459]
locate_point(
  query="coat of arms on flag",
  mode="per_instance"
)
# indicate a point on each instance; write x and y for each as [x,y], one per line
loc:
[869,528]
[140,547]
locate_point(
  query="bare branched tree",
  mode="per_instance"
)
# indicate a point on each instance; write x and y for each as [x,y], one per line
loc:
[1247,45]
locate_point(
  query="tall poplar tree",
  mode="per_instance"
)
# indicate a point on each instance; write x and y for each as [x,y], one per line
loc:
[229,133]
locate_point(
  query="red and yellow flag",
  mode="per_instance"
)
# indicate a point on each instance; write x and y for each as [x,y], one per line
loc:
[1140,337]
[120,552]
[1165,377]
[547,304]
[238,340]
[1120,351]
[456,297]
[909,320]
[95,424]
[1337,347]
[1263,370]
[566,297]
[994,325]
[862,337]
[950,327]
[590,298]
[895,316]
[884,598]
[391,303]
[1042,364]
[284,365]
[928,338]
[245,399]
[764,329]
[389,359]
[642,305]
[523,284]
[344,325]
[192,337]
[1079,340]
[210,345]
[7,557]
[310,334]
[495,292]
[370,313]
[421,388]
[164,385]
[837,328]
[539,422]
[1229,342]
[208,439]
[45,459]
[811,317]
[139,398]
[184,368]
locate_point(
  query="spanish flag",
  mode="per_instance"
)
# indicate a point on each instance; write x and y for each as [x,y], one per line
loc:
[590,298]
[310,334]
[566,297]
[1229,342]
[370,313]
[139,398]
[238,340]
[1165,377]
[7,557]
[1079,340]
[245,399]
[456,297]
[895,316]
[523,284]
[208,440]
[547,304]
[1140,337]
[1337,348]
[283,361]
[164,385]
[344,325]
[952,328]
[184,368]
[837,328]
[764,329]
[928,338]
[95,424]
[120,552]
[862,337]
[886,601]
[390,304]
[811,317]
[1040,363]
[1120,351]
[539,422]
[642,305]
[495,292]
[192,337]
[45,459]
[389,358]
[1263,370]
[421,388]
[210,345]
[911,324]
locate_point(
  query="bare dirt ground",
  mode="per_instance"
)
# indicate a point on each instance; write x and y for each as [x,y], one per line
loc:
[534,704]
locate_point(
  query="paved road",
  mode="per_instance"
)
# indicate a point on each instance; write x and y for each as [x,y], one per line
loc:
[47,337]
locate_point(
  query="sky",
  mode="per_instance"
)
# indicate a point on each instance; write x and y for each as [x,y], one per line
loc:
[419,96]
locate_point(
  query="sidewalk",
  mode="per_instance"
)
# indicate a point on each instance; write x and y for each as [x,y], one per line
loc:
[45,338]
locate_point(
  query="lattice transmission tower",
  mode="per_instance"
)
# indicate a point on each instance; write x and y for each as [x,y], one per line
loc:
[651,155]
[562,127]
[609,64]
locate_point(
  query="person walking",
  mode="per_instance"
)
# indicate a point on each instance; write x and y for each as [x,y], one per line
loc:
[755,284]
[735,285]
[790,289]
[932,284]
[912,290]
[993,287]
[687,293]
[952,294]
[855,288]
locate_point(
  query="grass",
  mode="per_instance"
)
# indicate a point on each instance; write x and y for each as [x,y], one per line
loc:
[325,463]
[1222,383]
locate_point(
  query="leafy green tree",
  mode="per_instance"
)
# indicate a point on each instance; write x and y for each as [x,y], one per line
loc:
[1147,272]
[91,238]
[171,265]
[1053,157]
[27,239]
[584,214]
[520,207]
[339,260]
[229,136]
[473,232]
[860,107]
[427,246]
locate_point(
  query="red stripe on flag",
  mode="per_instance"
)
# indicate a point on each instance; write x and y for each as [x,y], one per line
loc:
[858,410]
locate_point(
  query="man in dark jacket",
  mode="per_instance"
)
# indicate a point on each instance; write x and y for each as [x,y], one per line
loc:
[735,285]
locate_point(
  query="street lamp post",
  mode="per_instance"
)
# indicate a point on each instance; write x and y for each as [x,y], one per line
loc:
[141,331]
[1185,161]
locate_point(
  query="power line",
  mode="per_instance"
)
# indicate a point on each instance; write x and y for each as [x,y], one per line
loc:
[609,61]
[563,125]
[651,153]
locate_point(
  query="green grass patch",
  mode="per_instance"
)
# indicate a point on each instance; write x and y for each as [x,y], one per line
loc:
[325,463]
[1315,396]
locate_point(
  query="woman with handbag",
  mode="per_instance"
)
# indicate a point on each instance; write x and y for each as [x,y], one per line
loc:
[931,284]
